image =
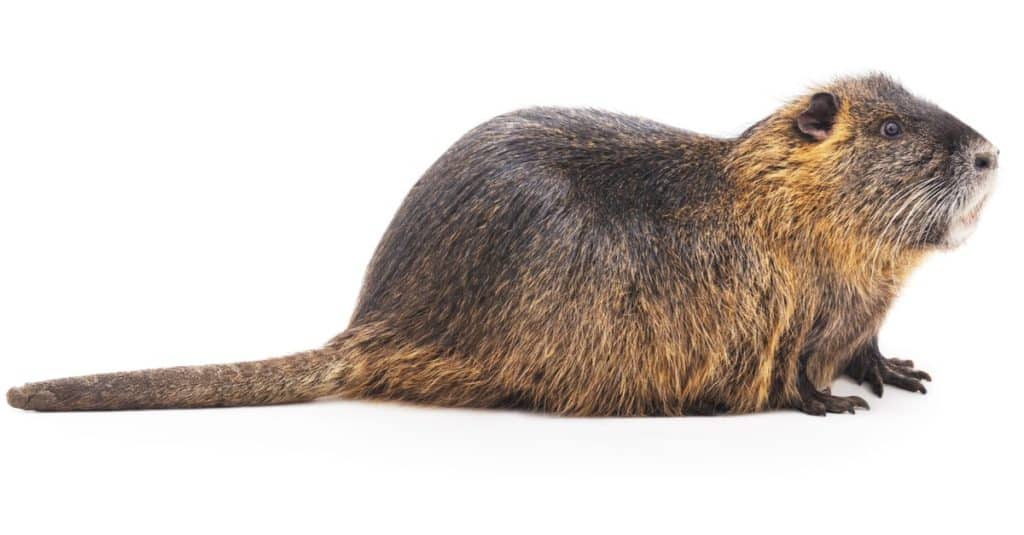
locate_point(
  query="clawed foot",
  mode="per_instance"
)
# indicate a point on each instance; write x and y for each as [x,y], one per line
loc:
[869,365]
[823,402]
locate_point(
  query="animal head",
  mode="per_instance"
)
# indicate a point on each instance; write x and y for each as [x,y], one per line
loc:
[865,159]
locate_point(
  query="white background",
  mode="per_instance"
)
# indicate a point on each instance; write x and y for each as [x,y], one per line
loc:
[194,182]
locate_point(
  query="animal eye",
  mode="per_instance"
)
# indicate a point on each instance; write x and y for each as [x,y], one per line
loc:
[891,129]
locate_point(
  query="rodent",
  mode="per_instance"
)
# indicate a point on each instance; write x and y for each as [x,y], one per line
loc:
[587,263]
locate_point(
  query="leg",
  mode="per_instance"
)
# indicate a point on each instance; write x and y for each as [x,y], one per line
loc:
[820,402]
[869,365]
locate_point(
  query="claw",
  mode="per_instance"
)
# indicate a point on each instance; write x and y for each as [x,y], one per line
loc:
[869,364]
[905,378]
[819,403]
[859,402]
[877,383]
[918,374]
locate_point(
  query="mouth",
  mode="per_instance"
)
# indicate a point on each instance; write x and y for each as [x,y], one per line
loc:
[965,219]
[969,216]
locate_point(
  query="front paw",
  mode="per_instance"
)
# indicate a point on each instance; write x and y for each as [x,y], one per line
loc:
[819,403]
[869,365]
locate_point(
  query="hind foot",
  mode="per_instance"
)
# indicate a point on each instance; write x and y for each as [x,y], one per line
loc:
[869,365]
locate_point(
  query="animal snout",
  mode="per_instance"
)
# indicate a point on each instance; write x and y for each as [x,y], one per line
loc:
[986,159]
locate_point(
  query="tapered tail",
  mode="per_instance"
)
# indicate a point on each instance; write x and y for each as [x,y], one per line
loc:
[293,379]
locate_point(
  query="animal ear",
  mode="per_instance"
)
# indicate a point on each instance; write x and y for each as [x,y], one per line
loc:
[817,120]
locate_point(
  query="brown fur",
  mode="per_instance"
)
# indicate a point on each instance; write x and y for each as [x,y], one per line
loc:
[586,263]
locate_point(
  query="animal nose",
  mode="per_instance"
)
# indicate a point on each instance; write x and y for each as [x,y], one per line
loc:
[984,161]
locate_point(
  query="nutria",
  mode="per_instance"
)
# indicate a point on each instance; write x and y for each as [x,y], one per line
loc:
[580,262]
